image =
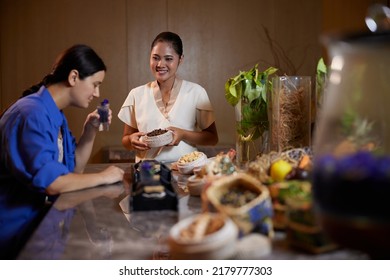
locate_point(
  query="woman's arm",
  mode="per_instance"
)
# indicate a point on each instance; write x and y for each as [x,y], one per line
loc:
[73,199]
[85,143]
[131,139]
[77,180]
[74,181]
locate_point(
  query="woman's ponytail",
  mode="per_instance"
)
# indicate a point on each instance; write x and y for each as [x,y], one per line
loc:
[34,88]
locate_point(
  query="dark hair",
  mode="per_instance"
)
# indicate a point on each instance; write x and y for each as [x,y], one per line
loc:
[78,57]
[172,38]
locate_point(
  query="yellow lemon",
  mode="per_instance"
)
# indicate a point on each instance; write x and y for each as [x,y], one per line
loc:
[279,170]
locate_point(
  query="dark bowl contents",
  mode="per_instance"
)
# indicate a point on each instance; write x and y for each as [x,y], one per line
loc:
[157,132]
[237,197]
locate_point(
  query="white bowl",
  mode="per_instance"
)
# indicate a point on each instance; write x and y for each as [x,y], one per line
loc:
[188,167]
[218,245]
[158,140]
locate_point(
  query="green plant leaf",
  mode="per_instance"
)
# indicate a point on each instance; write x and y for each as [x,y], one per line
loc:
[232,91]
[321,67]
[252,91]
[250,88]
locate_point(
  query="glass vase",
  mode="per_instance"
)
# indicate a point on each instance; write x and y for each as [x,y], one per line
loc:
[351,171]
[251,126]
[290,116]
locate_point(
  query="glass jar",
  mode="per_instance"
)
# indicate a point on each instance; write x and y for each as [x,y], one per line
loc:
[289,105]
[251,123]
[351,171]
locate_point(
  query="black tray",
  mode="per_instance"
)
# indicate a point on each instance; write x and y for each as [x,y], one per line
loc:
[153,192]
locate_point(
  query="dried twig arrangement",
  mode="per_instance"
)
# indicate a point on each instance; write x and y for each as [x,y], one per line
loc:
[291,128]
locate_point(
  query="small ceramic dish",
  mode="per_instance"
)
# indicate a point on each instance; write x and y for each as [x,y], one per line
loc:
[158,140]
[185,242]
[187,163]
[195,185]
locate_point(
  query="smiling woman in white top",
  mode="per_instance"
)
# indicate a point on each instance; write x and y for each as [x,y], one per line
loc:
[167,103]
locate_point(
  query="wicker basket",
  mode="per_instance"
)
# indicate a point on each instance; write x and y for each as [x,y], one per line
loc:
[253,216]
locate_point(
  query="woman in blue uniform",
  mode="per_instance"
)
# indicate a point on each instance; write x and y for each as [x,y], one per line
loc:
[39,157]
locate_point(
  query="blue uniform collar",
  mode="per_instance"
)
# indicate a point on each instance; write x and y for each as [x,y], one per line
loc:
[56,114]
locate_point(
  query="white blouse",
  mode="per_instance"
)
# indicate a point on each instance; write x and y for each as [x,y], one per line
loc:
[189,108]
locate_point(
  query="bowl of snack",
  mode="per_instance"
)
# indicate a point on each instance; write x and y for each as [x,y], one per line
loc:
[187,163]
[203,236]
[158,138]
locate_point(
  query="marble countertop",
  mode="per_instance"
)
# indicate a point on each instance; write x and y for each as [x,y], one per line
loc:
[97,224]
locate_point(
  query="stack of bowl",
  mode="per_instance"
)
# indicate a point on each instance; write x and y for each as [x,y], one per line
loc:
[195,185]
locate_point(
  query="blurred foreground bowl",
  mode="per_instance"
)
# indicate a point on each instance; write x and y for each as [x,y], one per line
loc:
[218,245]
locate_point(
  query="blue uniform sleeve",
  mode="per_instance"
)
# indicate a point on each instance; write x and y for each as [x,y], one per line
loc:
[33,149]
